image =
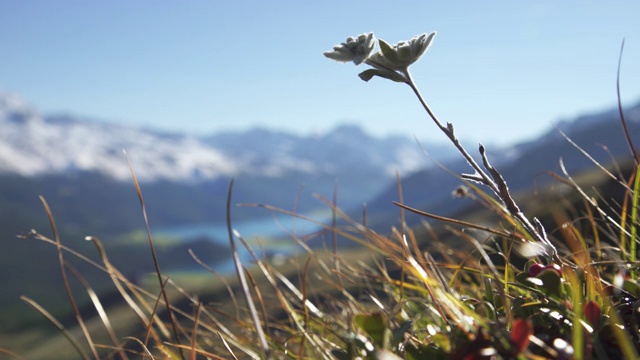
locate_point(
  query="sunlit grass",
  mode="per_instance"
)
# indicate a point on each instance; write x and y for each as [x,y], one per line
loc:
[493,283]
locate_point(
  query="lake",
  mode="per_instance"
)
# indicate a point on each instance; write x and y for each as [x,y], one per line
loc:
[274,233]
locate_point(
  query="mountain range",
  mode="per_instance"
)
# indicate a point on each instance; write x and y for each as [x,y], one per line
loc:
[34,144]
[525,166]
[77,165]
[80,161]
[194,171]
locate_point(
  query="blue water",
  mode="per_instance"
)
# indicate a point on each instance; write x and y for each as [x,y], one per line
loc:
[272,227]
[269,227]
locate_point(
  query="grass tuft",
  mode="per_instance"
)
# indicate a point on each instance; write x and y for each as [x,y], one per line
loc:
[491,283]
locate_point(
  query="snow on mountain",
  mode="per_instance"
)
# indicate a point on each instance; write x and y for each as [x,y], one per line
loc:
[34,144]
[346,148]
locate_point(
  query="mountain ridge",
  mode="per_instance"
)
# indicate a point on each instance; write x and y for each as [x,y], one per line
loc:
[34,144]
[523,165]
[87,202]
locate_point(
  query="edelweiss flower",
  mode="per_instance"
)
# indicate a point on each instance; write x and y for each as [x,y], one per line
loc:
[402,54]
[354,49]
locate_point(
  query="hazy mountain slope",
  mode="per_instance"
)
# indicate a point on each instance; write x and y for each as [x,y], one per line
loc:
[522,165]
[77,166]
[33,144]
[187,176]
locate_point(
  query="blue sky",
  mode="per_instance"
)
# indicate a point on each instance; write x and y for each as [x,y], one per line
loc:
[501,71]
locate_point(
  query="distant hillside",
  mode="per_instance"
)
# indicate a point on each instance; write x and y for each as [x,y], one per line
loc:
[522,165]
[77,164]
[33,144]
[186,175]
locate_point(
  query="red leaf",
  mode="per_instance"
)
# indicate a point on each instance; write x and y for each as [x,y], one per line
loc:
[534,270]
[592,313]
[520,332]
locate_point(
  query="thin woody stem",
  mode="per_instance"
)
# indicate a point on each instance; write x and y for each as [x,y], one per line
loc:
[449,132]
[494,182]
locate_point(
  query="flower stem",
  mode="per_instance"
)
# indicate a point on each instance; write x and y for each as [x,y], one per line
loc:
[448,131]
[495,182]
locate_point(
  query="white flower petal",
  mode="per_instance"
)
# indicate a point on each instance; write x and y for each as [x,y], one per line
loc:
[356,49]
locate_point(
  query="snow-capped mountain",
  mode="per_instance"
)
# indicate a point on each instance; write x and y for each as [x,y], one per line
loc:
[346,147]
[36,144]
[33,144]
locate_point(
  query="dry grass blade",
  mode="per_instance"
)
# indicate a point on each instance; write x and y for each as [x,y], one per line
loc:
[107,268]
[596,163]
[492,269]
[437,272]
[174,322]
[622,119]
[343,233]
[99,308]
[285,212]
[634,216]
[243,281]
[299,295]
[150,330]
[117,277]
[306,303]
[194,332]
[263,308]
[226,345]
[268,274]
[405,248]
[12,354]
[57,324]
[232,338]
[199,352]
[334,234]
[40,237]
[65,280]
[401,201]
[575,185]
[144,347]
[222,278]
[304,300]
[452,221]
[419,272]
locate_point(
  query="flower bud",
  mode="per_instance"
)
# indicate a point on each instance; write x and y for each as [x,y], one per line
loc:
[353,49]
[399,56]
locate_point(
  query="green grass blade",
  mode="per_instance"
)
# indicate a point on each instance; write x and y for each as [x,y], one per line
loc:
[634,216]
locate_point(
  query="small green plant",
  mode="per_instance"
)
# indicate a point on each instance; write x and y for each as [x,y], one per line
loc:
[556,306]
[392,62]
[507,291]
